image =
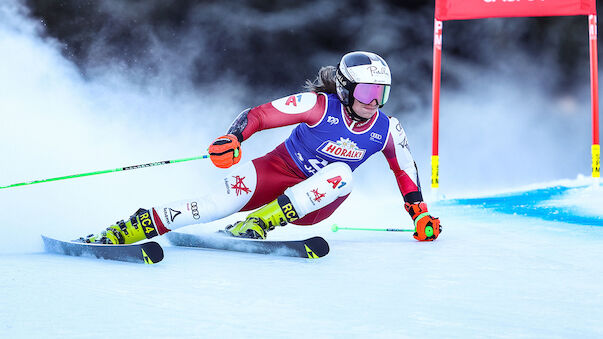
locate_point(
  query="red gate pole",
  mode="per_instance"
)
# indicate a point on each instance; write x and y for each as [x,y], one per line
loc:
[437,58]
[594,95]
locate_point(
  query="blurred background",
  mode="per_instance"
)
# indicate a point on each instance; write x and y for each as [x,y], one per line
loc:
[269,47]
[90,85]
[519,86]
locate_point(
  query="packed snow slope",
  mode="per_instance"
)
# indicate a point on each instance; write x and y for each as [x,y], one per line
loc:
[499,269]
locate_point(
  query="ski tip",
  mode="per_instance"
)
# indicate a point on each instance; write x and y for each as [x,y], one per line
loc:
[152,252]
[147,253]
[316,247]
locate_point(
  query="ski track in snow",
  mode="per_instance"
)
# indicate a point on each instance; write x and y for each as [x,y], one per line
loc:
[490,274]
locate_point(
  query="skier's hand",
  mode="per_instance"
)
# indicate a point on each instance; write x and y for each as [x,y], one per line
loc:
[427,228]
[225,151]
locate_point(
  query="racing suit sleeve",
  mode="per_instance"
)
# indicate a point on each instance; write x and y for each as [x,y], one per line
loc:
[306,107]
[400,161]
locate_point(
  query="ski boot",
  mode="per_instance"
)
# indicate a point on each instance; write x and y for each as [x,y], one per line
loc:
[140,226]
[277,213]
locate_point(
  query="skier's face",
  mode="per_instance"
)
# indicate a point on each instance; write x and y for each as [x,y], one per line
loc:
[366,111]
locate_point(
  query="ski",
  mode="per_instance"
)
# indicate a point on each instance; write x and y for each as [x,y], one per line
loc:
[313,248]
[147,253]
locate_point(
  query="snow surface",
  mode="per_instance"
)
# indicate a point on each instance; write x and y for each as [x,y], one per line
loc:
[490,274]
[515,262]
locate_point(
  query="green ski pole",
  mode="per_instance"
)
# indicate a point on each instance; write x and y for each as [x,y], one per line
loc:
[120,169]
[336,228]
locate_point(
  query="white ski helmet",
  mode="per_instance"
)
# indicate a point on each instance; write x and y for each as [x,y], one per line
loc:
[363,76]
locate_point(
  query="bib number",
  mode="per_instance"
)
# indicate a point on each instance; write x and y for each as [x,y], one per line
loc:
[315,165]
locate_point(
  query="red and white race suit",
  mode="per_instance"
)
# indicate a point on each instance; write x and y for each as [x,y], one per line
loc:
[313,167]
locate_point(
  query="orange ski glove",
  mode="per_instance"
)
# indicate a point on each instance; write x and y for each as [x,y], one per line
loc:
[427,228]
[225,151]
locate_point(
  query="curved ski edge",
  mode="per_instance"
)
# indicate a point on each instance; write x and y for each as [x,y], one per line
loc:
[146,253]
[310,248]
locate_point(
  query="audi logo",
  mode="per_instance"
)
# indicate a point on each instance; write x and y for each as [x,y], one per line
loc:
[195,210]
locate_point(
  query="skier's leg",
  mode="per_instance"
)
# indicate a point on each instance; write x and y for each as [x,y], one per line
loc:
[250,186]
[224,197]
[320,190]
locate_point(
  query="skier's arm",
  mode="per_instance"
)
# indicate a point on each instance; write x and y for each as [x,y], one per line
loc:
[309,107]
[304,107]
[402,163]
[427,228]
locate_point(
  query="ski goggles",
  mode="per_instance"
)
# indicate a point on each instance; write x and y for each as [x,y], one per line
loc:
[366,93]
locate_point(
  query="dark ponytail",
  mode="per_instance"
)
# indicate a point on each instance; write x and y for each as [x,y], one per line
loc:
[324,82]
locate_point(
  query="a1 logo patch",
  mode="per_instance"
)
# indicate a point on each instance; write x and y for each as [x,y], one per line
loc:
[293,104]
[336,181]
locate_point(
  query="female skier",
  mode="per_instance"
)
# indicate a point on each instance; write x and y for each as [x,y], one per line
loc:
[304,179]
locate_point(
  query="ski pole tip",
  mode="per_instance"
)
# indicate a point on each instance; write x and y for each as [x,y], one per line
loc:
[334,228]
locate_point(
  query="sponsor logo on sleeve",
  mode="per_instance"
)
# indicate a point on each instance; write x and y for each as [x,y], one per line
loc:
[294,104]
[404,142]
